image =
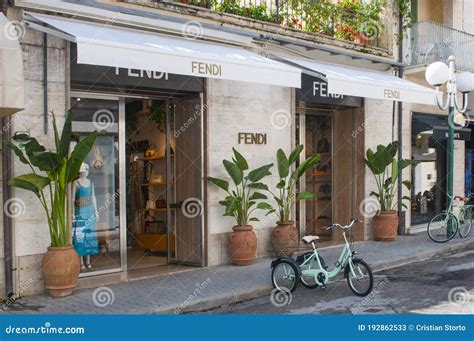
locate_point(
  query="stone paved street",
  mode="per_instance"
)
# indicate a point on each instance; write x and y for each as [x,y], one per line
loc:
[203,289]
[442,285]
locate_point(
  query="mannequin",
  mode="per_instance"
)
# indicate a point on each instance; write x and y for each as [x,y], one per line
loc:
[85,218]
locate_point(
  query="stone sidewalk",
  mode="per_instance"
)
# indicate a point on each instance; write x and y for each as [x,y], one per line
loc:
[207,288]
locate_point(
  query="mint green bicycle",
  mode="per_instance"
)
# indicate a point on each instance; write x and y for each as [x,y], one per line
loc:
[456,219]
[311,270]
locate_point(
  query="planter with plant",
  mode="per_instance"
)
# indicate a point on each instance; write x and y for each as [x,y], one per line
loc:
[53,171]
[386,169]
[285,235]
[241,203]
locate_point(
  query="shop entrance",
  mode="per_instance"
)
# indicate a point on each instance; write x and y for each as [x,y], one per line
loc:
[164,172]
[145,181]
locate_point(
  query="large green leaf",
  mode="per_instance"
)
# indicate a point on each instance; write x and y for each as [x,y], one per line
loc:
[234,171]
[32,146]
[258,196]
[407,184]
[219,182]
[47,161]
[283,164]
[264,206]
[66,135]
[57,141]
[305,195]
[17,151]
[30,182]
[259,173]
[307,164]
[295,153]
[394,174]
[258,185]
[78,156]
[240,160]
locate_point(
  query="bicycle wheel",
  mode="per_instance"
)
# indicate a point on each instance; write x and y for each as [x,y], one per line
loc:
[361,281]
[465,224]
[285,276]
[438,227]
[309,281]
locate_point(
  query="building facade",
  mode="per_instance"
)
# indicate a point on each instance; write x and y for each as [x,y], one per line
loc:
[267,87]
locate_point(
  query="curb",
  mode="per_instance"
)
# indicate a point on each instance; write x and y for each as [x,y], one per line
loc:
[246,295]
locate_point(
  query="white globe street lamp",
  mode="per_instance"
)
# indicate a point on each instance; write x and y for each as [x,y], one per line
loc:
[438,74]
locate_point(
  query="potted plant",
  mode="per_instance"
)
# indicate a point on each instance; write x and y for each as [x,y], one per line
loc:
[53,171]
[386,169]
[241,203]
[285,235]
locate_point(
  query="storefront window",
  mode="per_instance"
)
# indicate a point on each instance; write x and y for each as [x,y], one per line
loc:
[95,192]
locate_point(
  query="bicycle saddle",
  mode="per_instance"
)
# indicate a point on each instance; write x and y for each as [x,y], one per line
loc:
[309,239]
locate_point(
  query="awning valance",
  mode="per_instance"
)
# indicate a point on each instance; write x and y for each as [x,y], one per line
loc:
[351,81]
[109,45]
[12,98]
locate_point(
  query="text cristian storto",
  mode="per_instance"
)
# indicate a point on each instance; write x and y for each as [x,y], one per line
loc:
[436,328]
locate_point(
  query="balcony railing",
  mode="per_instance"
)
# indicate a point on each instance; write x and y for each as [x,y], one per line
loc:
[358,21]
[429,42]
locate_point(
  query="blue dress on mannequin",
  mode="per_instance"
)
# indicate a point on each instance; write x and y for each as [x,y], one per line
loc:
[85,232]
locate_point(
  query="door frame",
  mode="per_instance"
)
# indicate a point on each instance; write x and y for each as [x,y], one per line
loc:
[122,180]
[203,248]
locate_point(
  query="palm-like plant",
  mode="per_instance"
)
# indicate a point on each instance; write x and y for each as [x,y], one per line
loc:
[287,185]
[241,201]
[386,169]
[52,171]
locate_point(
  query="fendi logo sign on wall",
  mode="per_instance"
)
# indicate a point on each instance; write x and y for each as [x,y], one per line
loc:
[391,94]
[252,138]
[315,90]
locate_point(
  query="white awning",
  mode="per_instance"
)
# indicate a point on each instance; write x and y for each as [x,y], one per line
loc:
[12,96]
[108,45]
[350,81]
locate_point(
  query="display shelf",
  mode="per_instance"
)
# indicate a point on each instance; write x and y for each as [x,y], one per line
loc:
[151,158]
[164,209]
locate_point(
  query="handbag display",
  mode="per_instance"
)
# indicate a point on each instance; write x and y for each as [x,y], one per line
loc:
[160,202]
[323,145]
[151,151]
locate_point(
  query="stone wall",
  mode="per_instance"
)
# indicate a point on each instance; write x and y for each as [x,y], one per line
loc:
[235,107]
[30,230]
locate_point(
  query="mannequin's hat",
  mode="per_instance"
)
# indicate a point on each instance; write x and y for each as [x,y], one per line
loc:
[84,168]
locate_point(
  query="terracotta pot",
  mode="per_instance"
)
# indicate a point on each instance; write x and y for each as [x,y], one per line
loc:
[285,238]
[242,245]
[385,225]
[61,266]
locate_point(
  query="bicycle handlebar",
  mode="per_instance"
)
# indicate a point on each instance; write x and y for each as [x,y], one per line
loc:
[344,227]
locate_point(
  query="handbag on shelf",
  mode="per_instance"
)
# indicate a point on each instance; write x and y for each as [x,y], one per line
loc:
[323,146]
[151,151]
[160,202]
[157,179]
